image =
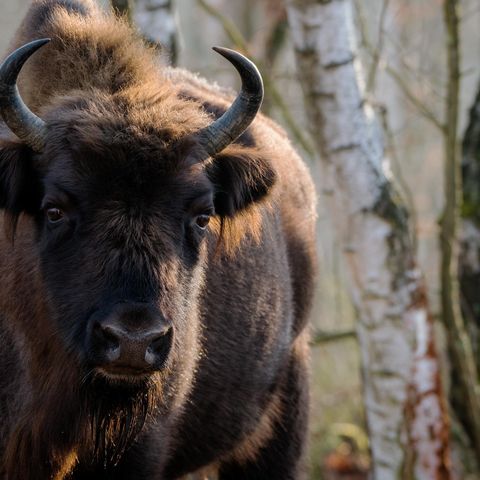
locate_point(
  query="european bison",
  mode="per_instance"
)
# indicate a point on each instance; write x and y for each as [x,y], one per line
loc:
[156,265]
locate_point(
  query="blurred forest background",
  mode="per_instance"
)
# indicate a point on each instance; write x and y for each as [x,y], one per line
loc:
[402,50]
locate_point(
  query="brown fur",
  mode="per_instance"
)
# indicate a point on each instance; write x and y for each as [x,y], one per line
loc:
[122,137]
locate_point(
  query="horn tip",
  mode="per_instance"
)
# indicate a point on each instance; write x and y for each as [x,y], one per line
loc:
[34,45]
[218,49]
[41,42]
[226,52]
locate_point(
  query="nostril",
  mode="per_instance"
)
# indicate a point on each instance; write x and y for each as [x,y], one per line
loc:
[159,348]
[107,335]
[107,340]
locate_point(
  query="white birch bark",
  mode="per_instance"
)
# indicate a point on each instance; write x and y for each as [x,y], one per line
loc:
[156,20]
[405,409]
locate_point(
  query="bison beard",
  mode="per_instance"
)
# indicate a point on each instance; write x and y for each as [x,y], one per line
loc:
[117,415]
[156,266]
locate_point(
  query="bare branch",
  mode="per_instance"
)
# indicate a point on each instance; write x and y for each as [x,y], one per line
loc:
[414,100]
[321,337]
[375,54]
[230,29]
[372,74]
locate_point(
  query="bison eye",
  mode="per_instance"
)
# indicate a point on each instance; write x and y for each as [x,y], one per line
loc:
[54,215]
[202,221]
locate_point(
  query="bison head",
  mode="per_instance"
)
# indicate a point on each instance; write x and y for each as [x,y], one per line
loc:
[120,189]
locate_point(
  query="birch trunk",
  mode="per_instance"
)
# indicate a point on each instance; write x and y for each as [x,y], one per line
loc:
[405,408]
[156,20]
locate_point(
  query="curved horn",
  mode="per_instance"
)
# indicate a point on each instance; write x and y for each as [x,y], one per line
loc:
[16,115]
[240,115]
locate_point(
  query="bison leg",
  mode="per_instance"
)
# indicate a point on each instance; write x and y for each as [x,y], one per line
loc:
[281,457]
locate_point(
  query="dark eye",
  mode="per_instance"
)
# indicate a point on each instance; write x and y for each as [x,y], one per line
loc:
[202,221]
[54,215]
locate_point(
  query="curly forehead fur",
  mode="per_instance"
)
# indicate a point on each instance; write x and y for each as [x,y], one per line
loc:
[116,125]
[118,57]
[129,99]
[128,93]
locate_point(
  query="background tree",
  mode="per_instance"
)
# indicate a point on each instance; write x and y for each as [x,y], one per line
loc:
[469,259]
[156,21]
[470,254]
[404,403]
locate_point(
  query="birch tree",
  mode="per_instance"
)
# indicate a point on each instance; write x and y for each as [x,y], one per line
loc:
[405,409]
[457,308]
[156,21]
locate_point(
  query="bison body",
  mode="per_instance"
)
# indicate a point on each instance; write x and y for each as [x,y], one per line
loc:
[153,295]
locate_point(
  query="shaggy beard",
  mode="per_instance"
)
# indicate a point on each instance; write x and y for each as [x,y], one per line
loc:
[117,414]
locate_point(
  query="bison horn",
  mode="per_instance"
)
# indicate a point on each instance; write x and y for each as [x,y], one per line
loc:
[16,115]
[240,115]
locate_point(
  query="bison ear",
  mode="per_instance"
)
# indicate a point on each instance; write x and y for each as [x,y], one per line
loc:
[241,177]
[19,185]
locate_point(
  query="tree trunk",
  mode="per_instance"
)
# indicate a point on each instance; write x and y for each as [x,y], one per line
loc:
[405,408]
[469,264]
[156,21]
[465,393]
[470,241]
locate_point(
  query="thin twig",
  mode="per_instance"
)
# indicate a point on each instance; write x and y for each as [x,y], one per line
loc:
[372,74]
[416,102]
[321,337]
[421,72]
[423,109]
[230,29]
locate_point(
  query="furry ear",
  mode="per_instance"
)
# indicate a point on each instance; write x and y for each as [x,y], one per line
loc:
[242,181]
[241,177]
[19,183]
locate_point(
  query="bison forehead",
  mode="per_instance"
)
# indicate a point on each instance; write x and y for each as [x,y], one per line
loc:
[128,178]
[135,147]
[146,118]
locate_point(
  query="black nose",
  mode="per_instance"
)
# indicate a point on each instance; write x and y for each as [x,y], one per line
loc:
[132,339]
